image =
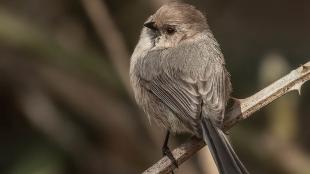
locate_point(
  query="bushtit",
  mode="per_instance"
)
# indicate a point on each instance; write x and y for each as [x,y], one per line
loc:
[179,78]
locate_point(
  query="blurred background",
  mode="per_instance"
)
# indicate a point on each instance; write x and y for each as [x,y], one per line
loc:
[66,105]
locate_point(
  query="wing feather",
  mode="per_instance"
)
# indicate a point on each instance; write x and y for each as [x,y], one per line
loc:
[185,105]
[198,83]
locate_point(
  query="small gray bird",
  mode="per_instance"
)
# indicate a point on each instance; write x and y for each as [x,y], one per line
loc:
[179,78]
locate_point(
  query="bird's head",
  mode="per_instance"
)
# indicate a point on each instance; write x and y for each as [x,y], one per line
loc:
[173,23]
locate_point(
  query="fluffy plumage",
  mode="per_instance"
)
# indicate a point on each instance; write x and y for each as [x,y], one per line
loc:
[179,78]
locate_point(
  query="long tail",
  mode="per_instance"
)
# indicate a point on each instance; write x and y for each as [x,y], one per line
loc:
[225,157]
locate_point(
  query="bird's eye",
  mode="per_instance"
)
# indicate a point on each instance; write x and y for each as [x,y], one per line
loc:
[170,30]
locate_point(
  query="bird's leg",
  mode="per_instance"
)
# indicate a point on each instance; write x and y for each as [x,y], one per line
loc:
[166,151]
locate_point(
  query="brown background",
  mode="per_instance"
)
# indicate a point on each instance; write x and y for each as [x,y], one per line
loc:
[64,108]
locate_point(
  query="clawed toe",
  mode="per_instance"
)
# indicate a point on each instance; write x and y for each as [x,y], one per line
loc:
[167,152]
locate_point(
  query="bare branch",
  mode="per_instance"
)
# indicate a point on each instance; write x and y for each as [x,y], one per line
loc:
[241,109]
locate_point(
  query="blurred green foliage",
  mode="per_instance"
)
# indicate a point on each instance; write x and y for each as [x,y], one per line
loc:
[64,109]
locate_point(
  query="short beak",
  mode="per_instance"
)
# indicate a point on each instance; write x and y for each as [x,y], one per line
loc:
[150,25]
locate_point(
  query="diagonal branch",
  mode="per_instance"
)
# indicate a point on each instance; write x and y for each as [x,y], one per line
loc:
[241,109]
[111,37]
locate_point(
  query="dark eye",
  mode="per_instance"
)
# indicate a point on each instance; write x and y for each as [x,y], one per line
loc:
[170,30]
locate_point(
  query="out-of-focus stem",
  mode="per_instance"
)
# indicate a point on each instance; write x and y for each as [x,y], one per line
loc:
[111,37]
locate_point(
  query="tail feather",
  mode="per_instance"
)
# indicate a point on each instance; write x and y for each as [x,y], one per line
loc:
[226,159]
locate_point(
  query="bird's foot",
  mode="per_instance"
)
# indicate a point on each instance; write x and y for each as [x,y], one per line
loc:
[166,151]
